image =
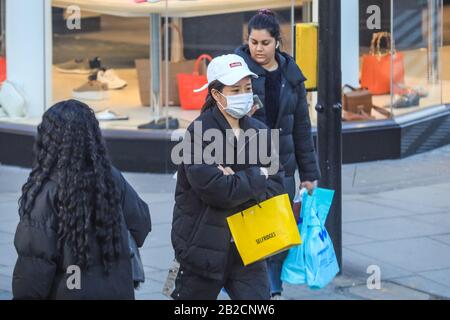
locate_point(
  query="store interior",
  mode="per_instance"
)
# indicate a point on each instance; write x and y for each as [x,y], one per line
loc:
[119,41]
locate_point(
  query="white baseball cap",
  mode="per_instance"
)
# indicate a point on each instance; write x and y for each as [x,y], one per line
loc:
[228,69]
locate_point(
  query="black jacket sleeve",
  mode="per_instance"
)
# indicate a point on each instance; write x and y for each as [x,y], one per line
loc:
[35,242]
[226,192]
[303,140]
[275,185]
[135,211]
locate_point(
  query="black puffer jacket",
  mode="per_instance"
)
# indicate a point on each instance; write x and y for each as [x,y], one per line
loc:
[205,197]
[296,142]
[41,272]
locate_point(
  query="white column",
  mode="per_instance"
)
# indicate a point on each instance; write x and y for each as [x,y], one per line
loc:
[315,11]
[28,51]
[350,42]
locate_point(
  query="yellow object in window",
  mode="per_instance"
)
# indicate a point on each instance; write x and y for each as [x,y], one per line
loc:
[307,52]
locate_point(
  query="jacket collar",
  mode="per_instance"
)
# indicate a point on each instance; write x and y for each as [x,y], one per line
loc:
[244,122]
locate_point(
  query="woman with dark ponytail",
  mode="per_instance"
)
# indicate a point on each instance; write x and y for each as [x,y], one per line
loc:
[75,214]
[210,102]
[280,86]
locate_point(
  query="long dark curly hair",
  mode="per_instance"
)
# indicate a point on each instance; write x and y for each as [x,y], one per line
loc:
[69,147]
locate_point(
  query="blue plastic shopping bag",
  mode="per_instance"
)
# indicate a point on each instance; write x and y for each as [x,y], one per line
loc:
[320,259]
[314,262]
[293,270]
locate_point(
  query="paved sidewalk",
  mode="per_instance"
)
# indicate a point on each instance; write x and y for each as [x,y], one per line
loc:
[396,215]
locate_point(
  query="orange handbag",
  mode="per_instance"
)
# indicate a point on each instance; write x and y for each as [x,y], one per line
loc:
[187,83]
[2,69]
[376,67]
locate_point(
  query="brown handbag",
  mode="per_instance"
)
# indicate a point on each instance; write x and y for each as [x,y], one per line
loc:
[357,100]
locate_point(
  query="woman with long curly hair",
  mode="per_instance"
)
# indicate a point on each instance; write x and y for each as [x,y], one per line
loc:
[75,214]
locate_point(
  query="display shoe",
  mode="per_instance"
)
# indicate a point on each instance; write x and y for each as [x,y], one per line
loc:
[401,89]
[110,78]
[407,101]
[91,90]
[161,124]
[108,115]
[79,66]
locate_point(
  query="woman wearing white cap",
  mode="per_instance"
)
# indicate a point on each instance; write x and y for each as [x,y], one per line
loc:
[208,191]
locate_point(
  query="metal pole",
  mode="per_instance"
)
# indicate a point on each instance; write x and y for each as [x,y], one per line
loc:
[329,126]
[155,72]
[434,22]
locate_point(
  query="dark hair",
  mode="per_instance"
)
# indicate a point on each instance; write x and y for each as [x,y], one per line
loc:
[69,147]
[265,19]
[210,102]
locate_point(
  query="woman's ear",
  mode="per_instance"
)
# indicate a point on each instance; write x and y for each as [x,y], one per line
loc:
[218,97]
[215,94]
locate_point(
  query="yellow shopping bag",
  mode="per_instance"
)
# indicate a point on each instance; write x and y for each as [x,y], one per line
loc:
[264,229]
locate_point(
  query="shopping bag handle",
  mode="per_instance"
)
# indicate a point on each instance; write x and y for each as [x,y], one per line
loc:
[197,63]
[257,203]
[347,86]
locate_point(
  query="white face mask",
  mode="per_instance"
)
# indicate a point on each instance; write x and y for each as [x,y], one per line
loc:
[238,105]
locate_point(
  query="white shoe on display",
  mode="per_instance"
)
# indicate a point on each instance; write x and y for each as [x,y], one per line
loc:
[110,78]
[108,115]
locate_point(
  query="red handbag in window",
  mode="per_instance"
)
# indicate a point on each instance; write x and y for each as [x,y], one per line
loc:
[187,83]
[2,69]
[376,67]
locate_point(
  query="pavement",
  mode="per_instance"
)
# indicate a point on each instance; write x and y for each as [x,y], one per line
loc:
[396,217]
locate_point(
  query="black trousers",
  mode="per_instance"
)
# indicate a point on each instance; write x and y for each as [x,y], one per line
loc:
[241,283]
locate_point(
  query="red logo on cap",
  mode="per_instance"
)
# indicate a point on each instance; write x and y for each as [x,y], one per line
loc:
[235,64]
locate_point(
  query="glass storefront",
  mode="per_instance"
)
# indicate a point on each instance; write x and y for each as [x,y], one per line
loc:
[104,59]
[402,56]
[136,63]
[124,50]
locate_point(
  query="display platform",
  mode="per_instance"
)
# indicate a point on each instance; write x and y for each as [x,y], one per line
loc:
[150,150]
